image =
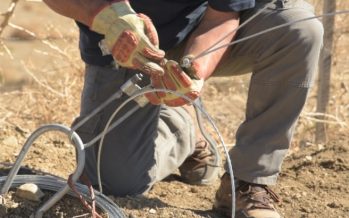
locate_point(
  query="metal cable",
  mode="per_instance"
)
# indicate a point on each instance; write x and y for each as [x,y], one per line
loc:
[207,137]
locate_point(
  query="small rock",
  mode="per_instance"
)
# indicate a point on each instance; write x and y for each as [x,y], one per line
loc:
[163,194]
[334,205]
[61,215]
[304,209]
[29,191]
[308,158]
[14,205]
[10,141]
[152,211]
[286,200]
[297,196]
[194,190]
[320,147]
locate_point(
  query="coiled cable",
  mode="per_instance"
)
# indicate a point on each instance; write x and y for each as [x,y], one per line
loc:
[54,183]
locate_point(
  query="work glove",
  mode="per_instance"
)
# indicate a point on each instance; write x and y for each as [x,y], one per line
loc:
[178,80]
[131,38]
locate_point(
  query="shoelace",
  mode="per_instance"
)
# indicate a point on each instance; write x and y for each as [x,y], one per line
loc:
[261,195]
[203,155]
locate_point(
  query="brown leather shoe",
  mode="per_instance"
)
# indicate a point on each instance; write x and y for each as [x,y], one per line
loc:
[202,166]
[252,200]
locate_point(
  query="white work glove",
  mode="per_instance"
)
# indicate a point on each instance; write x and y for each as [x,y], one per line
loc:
[177,80]
[131,38]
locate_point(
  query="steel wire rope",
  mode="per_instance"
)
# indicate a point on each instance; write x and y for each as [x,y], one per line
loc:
[196,105]
[206,52]
[54,183]
[212,148]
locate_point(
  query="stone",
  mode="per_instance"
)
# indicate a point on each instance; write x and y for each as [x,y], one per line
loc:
[152,211]
[320,147]
[308,158]
[194,190]
[29,191]
[10,141]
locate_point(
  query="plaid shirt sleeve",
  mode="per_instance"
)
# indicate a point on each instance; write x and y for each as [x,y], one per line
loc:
[231,5]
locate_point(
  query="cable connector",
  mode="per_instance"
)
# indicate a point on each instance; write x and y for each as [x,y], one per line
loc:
[189,67]
[131,87]
[186,62]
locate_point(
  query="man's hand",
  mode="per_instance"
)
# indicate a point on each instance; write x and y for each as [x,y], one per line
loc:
[177,80]
[130,37]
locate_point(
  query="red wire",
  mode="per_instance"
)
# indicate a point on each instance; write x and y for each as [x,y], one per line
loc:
[83,201]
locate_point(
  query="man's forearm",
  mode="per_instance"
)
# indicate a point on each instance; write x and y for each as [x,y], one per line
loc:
[213,27]
[80,10]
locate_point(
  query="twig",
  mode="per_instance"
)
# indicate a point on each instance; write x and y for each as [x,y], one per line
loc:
[61,52]
[82,215]
[41,83]
[8,51]
[7,15]
[315,117]
[14,26]
[4,117]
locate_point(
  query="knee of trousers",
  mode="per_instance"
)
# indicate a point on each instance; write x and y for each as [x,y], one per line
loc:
[308,34]
[308,37]
[295,54]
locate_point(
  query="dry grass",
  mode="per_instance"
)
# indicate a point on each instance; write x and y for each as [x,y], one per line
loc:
[43,95]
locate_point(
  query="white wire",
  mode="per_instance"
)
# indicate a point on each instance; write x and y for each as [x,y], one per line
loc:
[151,90]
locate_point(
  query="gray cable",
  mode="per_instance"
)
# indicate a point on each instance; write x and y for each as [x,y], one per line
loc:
[116,95]
[207,137]
[151,90]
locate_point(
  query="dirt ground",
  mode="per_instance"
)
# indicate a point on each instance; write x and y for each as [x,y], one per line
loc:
[40,81]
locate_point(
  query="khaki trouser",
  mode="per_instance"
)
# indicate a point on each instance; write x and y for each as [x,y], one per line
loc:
[156,140]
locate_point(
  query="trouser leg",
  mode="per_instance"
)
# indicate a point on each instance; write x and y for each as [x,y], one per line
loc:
[282,63]
[145,148]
